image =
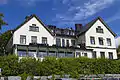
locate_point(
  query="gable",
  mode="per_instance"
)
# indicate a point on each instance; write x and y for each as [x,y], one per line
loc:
[99,25]
[31,17]
[90,24]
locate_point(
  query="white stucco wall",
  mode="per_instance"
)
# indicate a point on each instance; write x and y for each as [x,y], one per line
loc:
[24,30]
[105,35]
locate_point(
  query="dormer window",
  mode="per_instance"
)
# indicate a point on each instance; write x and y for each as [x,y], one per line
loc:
[99,29]
[34,28]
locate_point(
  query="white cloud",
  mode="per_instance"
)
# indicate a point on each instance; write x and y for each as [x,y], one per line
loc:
[3,1]
[77,12]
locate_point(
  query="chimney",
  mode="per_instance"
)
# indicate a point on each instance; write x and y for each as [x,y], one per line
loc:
[78,27]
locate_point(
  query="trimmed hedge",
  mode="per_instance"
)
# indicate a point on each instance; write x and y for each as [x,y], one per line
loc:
[11,66]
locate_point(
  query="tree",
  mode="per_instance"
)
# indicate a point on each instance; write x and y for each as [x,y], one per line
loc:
[2,22]
[4,38]
[118,51]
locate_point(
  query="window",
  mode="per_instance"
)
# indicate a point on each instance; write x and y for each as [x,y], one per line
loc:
[92,40]
[52,53]
[61,54]
[58,42]
[42,54]
[32,53]
[94,54]
[33,39]
[110,55]
[44,40]
[63,43]
[99,29]
[22,39]
[67,43]
[102,54]
[101,41]
[22,53]
[73,42]
[85,54]
[108,41]
[78,54]
[69,54]
[34,28]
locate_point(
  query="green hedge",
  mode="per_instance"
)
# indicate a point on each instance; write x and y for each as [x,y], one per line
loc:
[11,66]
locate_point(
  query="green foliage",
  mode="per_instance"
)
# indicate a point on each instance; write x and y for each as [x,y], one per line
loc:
[11,66]
[2,22]
[118,51]
[24,76]
[4,38]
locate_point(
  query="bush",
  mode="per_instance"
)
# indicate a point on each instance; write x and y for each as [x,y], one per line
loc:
[61,66]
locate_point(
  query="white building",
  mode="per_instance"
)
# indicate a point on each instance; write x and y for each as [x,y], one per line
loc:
[34,39]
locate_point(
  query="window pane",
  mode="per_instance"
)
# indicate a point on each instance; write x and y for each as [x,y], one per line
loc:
[85,54]
[108,41]
[32,53]
[69,54]
[22,39]
[110,55]
[101,41]
[102,54]
[73,42]
[94,54]
[34,28]
[44,40]
[78,54]
[63,43]
[22,53]
[42,54]
[99,29]
[92,40]
[33,39]
[67,43]
[52,54]
[58,42]
[61,54]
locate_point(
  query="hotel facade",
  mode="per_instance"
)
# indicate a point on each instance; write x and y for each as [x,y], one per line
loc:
[33,38]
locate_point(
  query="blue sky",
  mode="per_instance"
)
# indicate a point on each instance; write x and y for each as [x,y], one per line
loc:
[62,13]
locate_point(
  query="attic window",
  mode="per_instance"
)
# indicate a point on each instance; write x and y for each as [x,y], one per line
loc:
[34,28]
[99,29]
[33,24]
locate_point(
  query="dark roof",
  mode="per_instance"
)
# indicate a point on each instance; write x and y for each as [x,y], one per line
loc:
[90,24]
[29,18]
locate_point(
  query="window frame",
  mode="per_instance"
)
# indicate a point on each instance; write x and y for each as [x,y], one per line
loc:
[110,55]
[99,30]
[34,28]
[58,42]
[72,42]
[102,54]
[92,40]
[44,40]
[94,54]
[101,40]
[22,39]
[35,39]
[109,42]
[67,43]
[63,42]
